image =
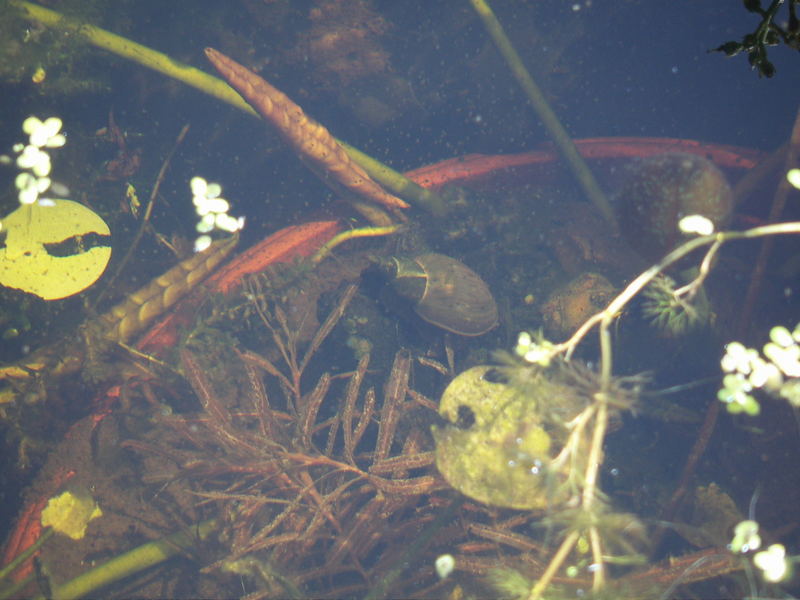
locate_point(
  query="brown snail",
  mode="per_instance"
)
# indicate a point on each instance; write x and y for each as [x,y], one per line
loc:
[444,292]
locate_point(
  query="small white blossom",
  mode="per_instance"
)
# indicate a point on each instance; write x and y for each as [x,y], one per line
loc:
[781,336]
[539,353]
[445,564]
[737,358]
[212,210]
[765,374]
[697,224]
[44,134]
[225,222]
[30,187]
[786,359]
[201,243]
[211,205]
[35,159]
[206,224]
[793,176]
[735,393]
[777,371]
[745,537]
[202,189]
[772,562]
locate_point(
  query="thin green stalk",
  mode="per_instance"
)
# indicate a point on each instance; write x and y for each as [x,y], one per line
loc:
[132,562]
[213,86]
[555,564]
[12,591]
[23,556]
[548,116]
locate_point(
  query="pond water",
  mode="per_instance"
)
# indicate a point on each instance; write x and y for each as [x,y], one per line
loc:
[293,418]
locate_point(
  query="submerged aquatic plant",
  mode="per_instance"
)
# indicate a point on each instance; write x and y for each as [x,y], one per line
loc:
[672,314]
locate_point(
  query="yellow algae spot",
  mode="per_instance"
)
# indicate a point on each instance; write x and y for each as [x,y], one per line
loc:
[39,75]
[70,513]
[31,233]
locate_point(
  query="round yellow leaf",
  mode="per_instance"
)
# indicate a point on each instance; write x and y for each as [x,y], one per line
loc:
[26,263]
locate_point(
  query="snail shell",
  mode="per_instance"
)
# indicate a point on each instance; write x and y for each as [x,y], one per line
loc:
[445,292]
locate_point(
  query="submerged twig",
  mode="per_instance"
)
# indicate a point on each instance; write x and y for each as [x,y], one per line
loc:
[146,216]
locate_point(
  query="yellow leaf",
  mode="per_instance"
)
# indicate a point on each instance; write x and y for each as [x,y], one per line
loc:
[70,513]
[25,262]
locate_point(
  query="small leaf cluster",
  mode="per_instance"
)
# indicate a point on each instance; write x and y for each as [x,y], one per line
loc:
[768,33]
[777,371]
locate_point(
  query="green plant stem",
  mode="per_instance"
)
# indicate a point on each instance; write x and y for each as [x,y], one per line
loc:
[132,562]
[213,86]
[23,556]
[555,564]
[397,182]
[20,559]
[548,116]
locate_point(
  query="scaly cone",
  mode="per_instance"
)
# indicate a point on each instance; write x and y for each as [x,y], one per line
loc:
[315,145]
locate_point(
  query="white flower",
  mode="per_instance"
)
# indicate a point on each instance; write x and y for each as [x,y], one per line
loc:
[225,222]
[30,187]
[738,358]
[206,224]
[212,210]
[772,562]
[201,243]
[44,134]
[735,393]
[213,205]
[745,537]
[697,224]
[793,176]
[35,159]
[206,197]
[540,353]
[445,564]
[203,189]
[736,388]
[786,359]
[781,336]
[765,374]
